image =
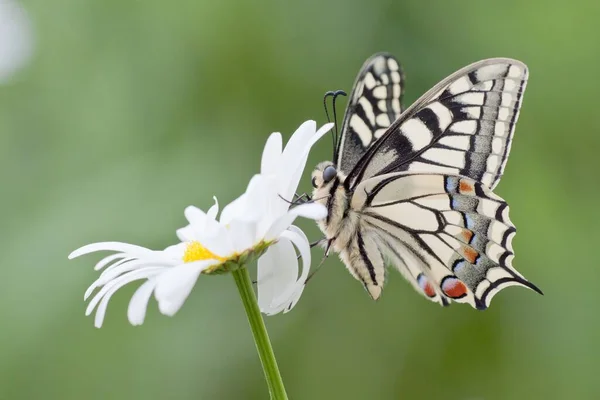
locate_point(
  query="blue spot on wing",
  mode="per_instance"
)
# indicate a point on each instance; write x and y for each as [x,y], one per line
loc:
[458,266]
[470,222]
[451,184]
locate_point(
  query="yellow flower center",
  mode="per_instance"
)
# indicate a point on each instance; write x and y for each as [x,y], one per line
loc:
[196,252]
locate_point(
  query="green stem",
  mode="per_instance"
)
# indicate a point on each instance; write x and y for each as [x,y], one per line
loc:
[259,331]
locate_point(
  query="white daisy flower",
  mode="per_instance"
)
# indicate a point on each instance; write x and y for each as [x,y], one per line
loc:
[258,221]
[16,38]
[279,287]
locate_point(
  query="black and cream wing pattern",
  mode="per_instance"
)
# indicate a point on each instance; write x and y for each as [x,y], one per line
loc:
[462,126]
[450,236]
[374,104]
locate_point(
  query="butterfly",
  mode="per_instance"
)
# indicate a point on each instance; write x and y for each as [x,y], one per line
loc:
[413,188]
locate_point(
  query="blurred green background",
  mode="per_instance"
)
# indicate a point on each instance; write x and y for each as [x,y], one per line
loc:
[131,110]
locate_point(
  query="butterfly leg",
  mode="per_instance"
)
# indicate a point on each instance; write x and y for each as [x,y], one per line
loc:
[327,250]
[298,199]
[319,242]
[302,198]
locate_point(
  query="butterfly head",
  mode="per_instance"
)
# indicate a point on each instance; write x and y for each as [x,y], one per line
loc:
[325,178]
[323,175]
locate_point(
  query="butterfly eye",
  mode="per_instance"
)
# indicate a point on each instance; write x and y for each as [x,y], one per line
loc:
[314,182]
[329,173]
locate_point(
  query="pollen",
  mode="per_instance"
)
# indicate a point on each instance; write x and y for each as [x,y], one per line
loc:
[196,252]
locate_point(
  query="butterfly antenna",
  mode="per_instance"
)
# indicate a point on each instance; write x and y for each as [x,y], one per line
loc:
[328,94]
[335,121]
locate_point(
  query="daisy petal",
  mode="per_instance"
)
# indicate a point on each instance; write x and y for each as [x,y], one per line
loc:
[296,145]
[195,216]
[108,259]
[292,293]
[294,298]
[243,234]
[111,274]
[214,210]
[185,234]
[271,154]
[280,225]
[277,272]
[104,295]
[101,281]
[296,153]
[320,133]
[136,311]
[174,286]
[172,255]
[256,206]
[311,210]
[233,209]
[130,249]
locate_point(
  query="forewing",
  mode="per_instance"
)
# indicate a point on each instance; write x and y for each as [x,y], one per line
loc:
[462,126]
[450,235]
[374,104]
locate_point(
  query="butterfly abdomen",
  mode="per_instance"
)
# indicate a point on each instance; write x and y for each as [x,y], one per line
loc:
[363,258]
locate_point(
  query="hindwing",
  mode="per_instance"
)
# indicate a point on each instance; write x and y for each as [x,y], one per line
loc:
[462,126]
[450,236]
[374,104]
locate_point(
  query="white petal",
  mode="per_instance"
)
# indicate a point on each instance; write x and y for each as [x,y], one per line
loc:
[256,204]
[101,280]
[277,272]
[214,210]
[186,234]
[233,209]
[202,224]
[293,292]
[108,259]
[136,311]
[111,274]
[174,286]
[130,249]
[295,155]
[310,210]
[121,280]
[292,156]
[297,143]
[104,295]
[219,244]
[320,133]
[293,300]
[195,216]
[212,235]
[280,225]
[298,164]
[271,154]
[243,235]
[172,254]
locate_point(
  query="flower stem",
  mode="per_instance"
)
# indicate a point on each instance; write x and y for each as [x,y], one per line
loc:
[259,331]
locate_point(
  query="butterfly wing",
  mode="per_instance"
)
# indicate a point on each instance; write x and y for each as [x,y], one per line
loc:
[463,126]
[450,236]
[374,104]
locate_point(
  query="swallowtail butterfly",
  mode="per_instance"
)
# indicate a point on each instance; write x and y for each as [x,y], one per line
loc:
[413,188]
